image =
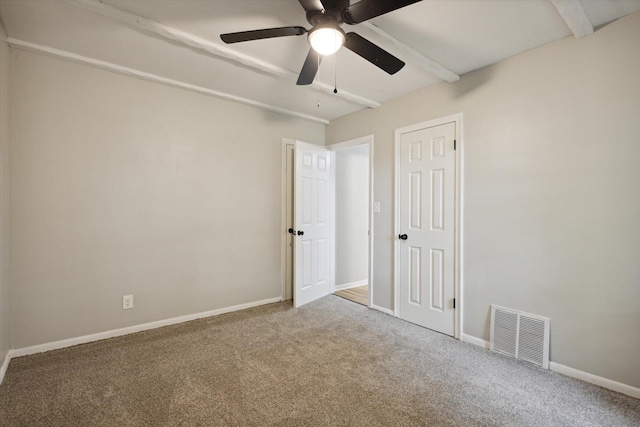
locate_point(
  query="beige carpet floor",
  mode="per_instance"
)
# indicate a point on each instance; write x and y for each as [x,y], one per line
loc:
[329,363]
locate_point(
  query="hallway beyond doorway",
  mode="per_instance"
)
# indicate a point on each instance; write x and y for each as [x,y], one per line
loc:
[359,294]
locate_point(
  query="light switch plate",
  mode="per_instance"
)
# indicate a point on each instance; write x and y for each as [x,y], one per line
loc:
[376,207]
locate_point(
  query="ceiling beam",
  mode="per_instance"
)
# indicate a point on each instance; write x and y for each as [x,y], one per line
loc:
[212,49]
[108,66]
[407,53]
[574,15]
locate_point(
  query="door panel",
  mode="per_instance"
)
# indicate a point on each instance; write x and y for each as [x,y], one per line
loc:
[312,223]
[426,212]
[415,278]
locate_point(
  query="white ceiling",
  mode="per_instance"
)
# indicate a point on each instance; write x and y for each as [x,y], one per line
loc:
[177,42]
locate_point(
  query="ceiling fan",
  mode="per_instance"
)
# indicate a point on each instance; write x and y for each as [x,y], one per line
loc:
[326,36]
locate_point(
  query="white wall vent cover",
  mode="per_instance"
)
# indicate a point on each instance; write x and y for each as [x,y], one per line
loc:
[521,335]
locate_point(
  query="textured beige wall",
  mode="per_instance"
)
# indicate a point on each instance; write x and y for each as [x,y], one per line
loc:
[121,186]
[4,194]
[551,192]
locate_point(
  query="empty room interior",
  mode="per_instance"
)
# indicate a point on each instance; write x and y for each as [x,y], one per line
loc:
[320,212]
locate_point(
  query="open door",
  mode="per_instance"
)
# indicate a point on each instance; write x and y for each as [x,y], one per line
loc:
[312,212]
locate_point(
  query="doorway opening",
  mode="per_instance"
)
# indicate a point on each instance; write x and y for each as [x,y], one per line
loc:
[351,183]
[350,247]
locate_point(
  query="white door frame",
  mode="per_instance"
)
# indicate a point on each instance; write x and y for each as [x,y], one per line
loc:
[284,234]
[364,140]
[457,275]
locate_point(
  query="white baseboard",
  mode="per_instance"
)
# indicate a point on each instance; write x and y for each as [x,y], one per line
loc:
[132,329]
[344,286]
[571,372]
[382,309]
[594,379]
[474,340]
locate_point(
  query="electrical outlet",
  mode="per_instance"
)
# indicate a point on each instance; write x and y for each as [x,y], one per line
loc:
[127,302]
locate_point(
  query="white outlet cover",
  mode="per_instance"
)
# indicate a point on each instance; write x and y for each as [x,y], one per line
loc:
[376,207]
[127,302]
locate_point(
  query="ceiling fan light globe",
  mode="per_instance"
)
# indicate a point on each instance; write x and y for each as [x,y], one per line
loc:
[326,41]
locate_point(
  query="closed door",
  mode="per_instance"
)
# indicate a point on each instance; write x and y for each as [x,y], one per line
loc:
[312,245]
[426,219]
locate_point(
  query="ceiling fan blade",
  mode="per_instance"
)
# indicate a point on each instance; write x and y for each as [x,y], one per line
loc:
[337,5]
[367,9]
[311,5]
[244,36]
[319,5]
[372,53]
[309,69]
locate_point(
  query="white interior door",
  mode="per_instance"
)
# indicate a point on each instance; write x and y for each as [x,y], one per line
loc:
[312,279]
[426,219]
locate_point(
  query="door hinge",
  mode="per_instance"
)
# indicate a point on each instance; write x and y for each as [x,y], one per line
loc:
[454,144]
[454,303]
